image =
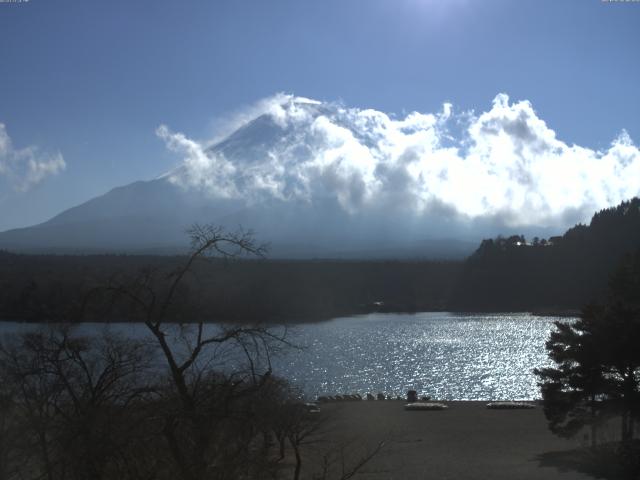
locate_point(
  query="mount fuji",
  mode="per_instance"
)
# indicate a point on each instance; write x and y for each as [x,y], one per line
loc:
[319,180]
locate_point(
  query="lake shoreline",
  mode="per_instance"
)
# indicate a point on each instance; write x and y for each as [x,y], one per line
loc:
[559,313]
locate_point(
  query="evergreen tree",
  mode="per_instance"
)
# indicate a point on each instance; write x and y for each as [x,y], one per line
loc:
[597,360]
[573,391]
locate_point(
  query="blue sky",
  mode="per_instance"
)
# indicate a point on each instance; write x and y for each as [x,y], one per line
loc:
[92,80]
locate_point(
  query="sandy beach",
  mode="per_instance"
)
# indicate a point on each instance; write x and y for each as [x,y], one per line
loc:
[466,441]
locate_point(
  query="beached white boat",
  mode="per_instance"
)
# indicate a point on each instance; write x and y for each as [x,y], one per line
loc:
[510,405]
[419,406]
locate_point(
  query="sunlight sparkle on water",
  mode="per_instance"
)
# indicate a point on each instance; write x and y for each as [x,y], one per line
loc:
[447,356]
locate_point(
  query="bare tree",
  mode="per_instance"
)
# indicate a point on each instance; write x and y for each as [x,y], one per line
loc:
[103,408]
[207,420]
[72,399]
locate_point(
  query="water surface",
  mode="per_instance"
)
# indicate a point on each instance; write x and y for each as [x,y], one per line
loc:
[448,356]
[445,355]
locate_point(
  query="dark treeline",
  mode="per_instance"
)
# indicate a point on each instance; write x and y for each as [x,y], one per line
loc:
[504,274]
[53,288]
[560,273]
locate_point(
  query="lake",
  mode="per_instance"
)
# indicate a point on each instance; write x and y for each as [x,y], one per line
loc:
[445,355]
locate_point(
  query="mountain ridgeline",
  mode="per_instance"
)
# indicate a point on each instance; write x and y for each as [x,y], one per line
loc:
[560,273]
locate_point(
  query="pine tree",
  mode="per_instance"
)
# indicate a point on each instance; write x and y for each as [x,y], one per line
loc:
[597,372]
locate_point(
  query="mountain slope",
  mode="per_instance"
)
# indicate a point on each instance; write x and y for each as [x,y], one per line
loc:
[142,215]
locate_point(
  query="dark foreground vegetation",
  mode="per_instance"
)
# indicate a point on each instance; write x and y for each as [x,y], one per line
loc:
[107,407]
[192,402]
[596,380]
[560,274]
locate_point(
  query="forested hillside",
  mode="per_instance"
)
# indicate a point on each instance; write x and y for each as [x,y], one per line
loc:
[550,274]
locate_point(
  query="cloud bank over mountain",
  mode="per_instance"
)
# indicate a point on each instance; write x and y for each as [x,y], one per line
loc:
[23,168]
[503,166]
[321,180]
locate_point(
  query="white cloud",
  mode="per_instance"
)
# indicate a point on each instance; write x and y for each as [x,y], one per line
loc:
[207,171]
[23,168]
[504,163]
